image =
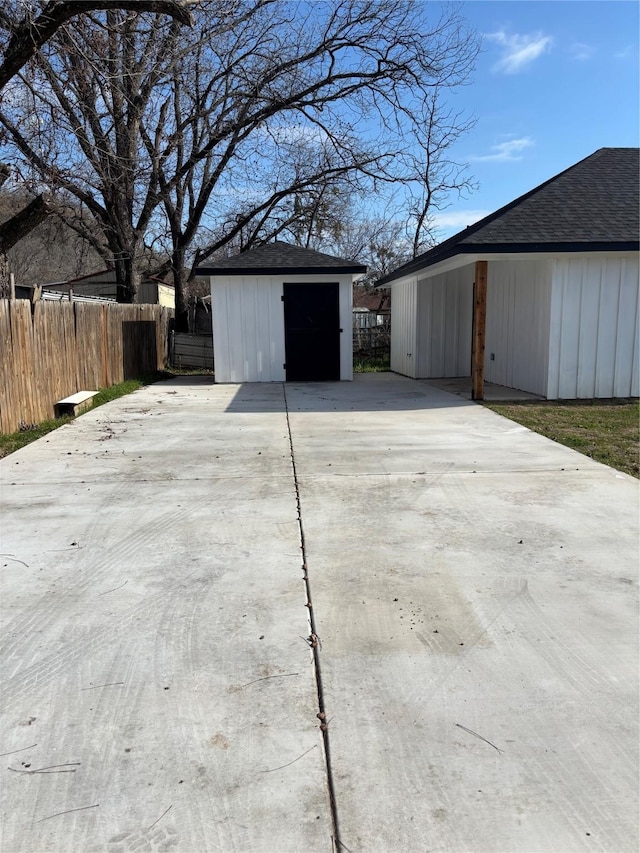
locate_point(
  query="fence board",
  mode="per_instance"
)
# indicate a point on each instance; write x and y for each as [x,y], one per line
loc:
[164,346]
[115,364]
[192,351]
[64,347]
[22,360]
[139,348]
[44,357]
[89,337]
[8,402]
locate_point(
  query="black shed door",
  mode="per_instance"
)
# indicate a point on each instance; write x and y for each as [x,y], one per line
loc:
[311,332]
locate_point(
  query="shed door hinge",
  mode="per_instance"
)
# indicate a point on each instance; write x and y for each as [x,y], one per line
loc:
[282,298]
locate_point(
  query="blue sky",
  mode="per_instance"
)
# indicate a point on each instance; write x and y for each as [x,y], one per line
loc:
[556,80]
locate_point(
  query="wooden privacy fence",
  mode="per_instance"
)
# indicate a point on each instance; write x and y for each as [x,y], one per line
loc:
[64,347]
[192,351]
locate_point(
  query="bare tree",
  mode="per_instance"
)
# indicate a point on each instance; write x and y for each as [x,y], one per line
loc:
[284,115]
[29,33]
[224,133]
[340,227]
[28,28]
[440,129]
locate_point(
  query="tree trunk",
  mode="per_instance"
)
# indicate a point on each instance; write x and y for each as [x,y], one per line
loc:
[5,283]
[127,279]
[179,283]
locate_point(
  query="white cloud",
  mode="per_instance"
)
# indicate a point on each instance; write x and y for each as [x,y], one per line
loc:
[581,51]
[626,52]
[518,51]
[455,220]
[506,152]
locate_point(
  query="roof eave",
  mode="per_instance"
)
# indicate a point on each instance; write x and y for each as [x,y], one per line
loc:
[230,271]
[480,249]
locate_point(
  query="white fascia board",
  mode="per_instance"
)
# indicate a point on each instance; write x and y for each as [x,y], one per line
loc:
[299,278]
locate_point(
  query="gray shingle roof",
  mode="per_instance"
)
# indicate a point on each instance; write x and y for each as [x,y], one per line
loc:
[592,206]
[280,257]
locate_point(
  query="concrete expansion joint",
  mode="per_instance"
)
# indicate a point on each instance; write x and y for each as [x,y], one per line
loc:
[315,644]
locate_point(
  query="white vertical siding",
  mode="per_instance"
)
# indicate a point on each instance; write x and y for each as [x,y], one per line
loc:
[445,308]
[404,357]
[248,338]
[593,348]
[346,324]
[518,306]
[248,326]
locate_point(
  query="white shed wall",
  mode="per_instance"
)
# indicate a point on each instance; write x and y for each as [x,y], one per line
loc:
[248,326]
[346,324]
[248,330]
[445,308]
[517,334]
[404,357]
[593,349]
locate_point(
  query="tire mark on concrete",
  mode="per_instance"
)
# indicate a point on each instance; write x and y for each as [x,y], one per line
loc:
[42,672]
[560,653]
[23,632]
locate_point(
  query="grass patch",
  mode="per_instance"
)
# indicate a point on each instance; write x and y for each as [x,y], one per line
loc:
[106,395]
[11,442]
[607,431]
[371,365]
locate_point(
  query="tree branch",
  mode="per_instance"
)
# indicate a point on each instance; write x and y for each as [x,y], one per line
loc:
[30,35]
[22,223]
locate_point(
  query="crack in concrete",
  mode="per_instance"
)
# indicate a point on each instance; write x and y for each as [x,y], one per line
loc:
[314,642]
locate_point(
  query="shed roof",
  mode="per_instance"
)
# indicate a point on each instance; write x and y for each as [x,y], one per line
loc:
[280,257]
[592,206]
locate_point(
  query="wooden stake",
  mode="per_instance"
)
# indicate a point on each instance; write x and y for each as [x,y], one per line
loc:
[478,330]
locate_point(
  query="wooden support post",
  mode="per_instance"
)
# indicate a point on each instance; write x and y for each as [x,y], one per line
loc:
[478,330]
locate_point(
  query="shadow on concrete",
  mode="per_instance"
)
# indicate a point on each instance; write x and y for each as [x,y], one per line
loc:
[369,392]
[186,381]
[461,386]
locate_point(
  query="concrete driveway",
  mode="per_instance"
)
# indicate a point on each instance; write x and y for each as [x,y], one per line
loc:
[472,651]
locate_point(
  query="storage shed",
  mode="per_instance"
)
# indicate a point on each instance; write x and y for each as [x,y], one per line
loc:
[282,312]
[541,295]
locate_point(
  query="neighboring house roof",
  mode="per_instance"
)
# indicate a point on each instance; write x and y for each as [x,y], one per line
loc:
[367,300]
[100,277]
[592,206]
[103,275]
[106,276]
[280,257]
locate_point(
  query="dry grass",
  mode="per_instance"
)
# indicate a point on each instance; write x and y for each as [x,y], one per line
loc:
[10,442]
[606,430]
